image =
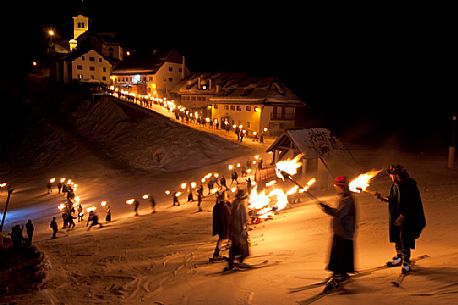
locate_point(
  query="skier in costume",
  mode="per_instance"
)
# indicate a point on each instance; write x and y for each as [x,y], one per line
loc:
[341,260]
[406,215]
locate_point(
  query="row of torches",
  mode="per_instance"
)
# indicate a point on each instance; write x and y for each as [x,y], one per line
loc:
[261,202]
[170,105]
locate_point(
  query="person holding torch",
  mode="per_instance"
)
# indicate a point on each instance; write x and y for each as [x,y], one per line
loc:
[407,218]
[341,260]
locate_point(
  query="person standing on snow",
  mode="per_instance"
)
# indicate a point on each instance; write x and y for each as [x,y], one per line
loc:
[59,186]
[341,260]
[80,212]
[54,227]
[221,223]
[238,230]
[108,213]
[136,204]
[30,229]
[406,215]
[234,177]
[176,202]
[222,182]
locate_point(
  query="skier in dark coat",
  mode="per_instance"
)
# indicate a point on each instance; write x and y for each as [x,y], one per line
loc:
[70,222]
[59,186]
[222,182]
[248,185]
[176,202]
[94,219]
[221,223]
[29,227]
[80,212]
[341,260]
[406,215]
[49,186]
[136,204]
[234,177]
[238,230]
[53,226]
[108,213]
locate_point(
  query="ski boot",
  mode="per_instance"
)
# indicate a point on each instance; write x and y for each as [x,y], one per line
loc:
[406,267]
[395,261]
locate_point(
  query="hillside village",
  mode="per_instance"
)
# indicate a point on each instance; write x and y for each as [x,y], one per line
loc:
[257,105]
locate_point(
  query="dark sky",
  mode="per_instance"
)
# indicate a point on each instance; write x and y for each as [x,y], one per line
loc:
[368,58]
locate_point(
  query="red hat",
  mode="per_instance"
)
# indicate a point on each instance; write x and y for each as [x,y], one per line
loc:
[341,181]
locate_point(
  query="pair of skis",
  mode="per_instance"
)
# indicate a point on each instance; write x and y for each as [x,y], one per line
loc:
[332,288]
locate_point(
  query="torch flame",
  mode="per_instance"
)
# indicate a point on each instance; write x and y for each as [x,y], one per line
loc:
[288,166]
[103,203]
[309,184]
[362,181]
[146,196]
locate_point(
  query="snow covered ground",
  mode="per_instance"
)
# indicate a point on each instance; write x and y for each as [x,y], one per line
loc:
[151,259]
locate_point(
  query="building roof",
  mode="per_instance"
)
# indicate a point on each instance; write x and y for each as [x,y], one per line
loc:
[234,87]
[312,142]
[80,52]
[146,61]
[319,143]
[107,38]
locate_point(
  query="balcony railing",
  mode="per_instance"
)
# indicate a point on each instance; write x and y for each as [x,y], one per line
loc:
[279,117]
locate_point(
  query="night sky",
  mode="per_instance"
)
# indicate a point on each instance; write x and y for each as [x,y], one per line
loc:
[378,64]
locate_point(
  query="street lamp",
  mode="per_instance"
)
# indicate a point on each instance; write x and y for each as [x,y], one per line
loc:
[51,34]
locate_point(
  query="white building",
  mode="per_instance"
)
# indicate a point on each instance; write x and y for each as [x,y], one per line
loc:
[151,72]
[83,66]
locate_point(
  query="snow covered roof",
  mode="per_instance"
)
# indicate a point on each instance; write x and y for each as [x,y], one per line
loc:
[238,87]
[318,143]
[146,61]
[312,142]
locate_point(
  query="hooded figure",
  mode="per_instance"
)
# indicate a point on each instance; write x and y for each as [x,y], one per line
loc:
[239,229]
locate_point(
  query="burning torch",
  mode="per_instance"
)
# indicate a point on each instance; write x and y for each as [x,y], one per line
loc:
[290,178]
[361,183]
[287,168]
